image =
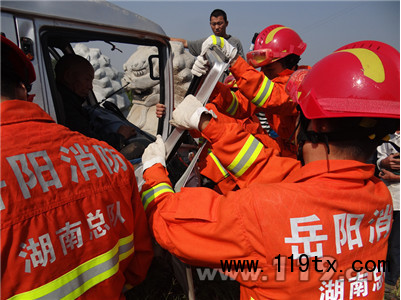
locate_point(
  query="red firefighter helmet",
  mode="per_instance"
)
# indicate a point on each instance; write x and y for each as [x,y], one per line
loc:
[14,60]
[273,43]
[361,79]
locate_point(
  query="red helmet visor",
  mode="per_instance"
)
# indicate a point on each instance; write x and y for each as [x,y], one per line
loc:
[259,58]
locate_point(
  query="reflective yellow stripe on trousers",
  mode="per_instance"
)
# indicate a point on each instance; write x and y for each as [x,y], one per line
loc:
[246,156]
[232,109]
[264,92]
[149,195]
[82,278]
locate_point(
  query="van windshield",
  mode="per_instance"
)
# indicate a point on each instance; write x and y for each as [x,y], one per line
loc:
[104,87]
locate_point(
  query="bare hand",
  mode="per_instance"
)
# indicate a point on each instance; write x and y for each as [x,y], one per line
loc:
[389,176]
[160,110]
[391,162]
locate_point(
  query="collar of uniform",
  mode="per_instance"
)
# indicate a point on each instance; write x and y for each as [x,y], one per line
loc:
[288,72]
[18,111]
[342,169]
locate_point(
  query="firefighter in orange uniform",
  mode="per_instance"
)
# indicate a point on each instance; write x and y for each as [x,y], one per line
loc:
[321,232]
[209,165]
[277,52]
[72,224]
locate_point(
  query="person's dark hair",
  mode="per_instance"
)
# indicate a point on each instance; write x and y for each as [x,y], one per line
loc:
[68,62]
[290,61]
[9,83]
[359,137]
[217,13]
[16,69]
[10,80]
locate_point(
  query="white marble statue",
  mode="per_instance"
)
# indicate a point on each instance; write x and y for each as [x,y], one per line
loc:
[146,91]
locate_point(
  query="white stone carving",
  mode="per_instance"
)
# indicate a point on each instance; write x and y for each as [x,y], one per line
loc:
[146,91]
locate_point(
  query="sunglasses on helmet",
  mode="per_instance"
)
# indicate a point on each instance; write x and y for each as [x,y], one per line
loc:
[259,58]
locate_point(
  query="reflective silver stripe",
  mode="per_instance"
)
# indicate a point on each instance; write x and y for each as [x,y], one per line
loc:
[246,156]
[149,195]
[77,281]
[264,92]
[219,41]
[233,106]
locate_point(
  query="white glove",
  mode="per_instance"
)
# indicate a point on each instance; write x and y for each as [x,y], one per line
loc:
[200,66]
[154,153]
[228,50]
[188,112]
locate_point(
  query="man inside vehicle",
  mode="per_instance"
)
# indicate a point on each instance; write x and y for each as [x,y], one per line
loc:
[74,76]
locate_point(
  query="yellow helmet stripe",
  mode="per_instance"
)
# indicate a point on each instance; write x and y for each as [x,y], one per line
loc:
[371,63]
[271,34]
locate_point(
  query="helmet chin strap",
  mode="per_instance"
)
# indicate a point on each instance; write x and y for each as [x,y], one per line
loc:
[305,135]
[363,129]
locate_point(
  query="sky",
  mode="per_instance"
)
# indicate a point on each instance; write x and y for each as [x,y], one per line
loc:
[324,25]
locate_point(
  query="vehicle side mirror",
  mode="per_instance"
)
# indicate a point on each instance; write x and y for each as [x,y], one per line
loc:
[151,75]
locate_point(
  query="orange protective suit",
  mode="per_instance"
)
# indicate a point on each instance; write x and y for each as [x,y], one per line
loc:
[72,224]
[257,93]
[209,164]
[328,210]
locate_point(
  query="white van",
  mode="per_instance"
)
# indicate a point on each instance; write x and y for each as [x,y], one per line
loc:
[47,30]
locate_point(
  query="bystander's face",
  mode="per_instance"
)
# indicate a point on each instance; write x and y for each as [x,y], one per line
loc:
[218,26]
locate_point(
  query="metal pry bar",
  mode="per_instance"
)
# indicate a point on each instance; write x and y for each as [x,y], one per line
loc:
[218,64]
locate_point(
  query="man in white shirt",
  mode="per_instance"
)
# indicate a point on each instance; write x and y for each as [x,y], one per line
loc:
[388,162]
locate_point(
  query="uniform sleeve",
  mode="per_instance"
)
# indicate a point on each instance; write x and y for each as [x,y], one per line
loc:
[262,92]
[198,225]
[143,249]
[233,104]
[245,157]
